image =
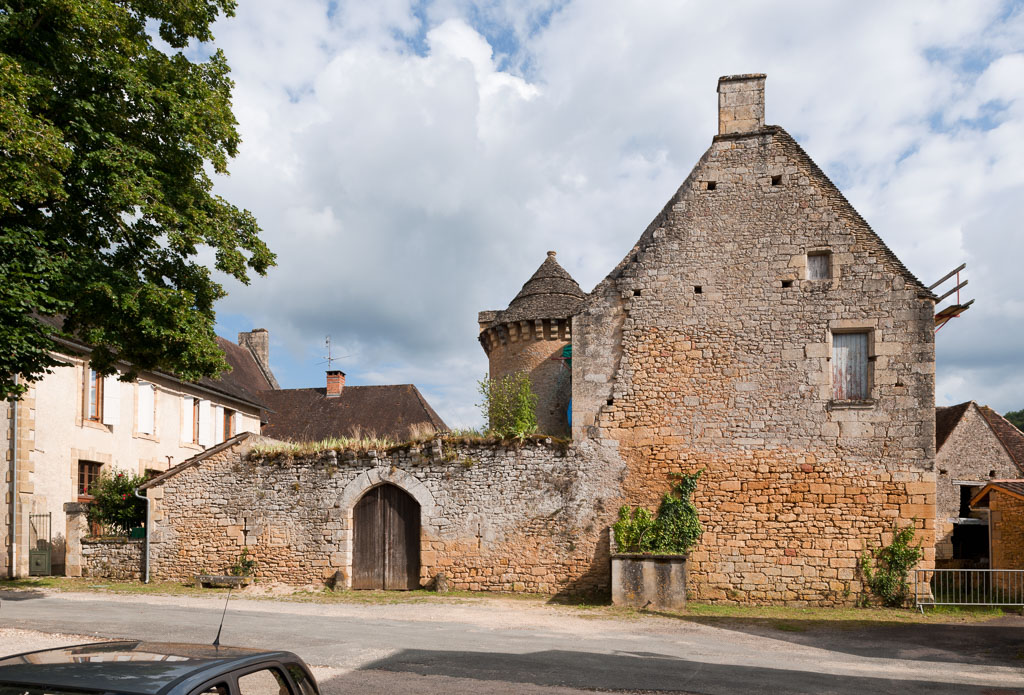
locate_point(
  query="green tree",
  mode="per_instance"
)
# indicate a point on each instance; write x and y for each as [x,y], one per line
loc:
[1016,418]
[114,505]
[106,144]
[509,405]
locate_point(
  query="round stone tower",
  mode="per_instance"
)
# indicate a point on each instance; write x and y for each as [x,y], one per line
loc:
[529,336]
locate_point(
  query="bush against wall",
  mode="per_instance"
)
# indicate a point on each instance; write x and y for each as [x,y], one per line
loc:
[509,405]
[675,529]
[886,569]
[114,505]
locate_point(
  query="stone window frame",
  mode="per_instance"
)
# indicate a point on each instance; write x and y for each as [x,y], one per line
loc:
[852,326]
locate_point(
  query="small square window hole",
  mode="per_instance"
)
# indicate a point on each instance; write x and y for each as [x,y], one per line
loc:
[636,293]
[698,289]
[787,283]
[611,401]
[777,180]
[711,185]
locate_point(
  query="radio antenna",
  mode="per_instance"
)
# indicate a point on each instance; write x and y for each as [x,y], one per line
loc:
[329,358]
[216,640]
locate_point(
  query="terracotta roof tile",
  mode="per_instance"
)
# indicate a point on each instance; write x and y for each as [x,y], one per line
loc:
[308,415]
[1014,487]
[1010,437]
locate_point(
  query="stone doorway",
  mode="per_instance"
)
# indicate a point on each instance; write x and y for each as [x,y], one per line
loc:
[386,540]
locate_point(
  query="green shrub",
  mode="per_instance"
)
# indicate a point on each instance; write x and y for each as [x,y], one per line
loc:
[509,405]
[886,569]
[114,505]
[674,531]
[244,566]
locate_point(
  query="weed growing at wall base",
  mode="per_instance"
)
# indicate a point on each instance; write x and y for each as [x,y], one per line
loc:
[674,531]
[886,569]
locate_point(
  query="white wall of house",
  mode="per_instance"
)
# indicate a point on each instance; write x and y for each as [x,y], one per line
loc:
[126,437]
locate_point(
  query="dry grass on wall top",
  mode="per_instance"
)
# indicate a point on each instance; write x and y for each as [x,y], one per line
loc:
[382,446]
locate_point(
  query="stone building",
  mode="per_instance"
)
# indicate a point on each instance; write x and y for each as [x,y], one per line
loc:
[73,425]
[974,445]
[760,330]
[1003,501]
[530,336]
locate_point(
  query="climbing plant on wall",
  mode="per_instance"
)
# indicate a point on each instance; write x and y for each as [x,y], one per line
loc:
[675,529]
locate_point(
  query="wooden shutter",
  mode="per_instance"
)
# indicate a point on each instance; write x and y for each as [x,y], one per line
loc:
[218,424]
[111,400]
[819,266]
[205,423]
[850,367]
[145,419]
[236,422]
[188,424]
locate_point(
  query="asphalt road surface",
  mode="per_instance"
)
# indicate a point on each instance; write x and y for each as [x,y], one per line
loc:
[505,646]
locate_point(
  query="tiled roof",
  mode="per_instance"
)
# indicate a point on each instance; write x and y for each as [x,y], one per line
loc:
[946,420]
[550,293]
[1010,437]
[1013,487]
[308,415]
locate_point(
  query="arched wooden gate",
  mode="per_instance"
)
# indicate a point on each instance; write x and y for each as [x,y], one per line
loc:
[386,540]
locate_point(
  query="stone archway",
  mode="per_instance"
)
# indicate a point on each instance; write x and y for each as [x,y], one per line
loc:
[386,540]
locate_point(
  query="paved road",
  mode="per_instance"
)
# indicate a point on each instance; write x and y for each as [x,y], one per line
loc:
[495,644]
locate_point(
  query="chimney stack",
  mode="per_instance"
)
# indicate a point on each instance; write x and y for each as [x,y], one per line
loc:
[258,342]
[335,382]
[740,103]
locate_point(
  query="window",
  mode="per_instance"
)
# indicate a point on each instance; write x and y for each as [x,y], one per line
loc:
[229,423]
[850,373]
[819,265]
[301,679]
[266,681]
[88,474]
[94,397]
[145,418]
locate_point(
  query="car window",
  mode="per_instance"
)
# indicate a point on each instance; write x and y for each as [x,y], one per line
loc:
[301,679]
[268,681]
[215,689]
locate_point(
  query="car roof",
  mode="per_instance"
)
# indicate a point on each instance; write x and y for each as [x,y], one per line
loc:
[142,668]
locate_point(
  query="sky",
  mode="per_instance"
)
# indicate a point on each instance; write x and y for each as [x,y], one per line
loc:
[411,163]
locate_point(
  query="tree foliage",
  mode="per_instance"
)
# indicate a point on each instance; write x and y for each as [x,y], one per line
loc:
[106,144]
[509,405]
[1016,418]
[114,505]
[675,529]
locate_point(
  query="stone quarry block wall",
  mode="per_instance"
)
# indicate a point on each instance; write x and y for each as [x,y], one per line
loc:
[972,452]
[506,518]
[710,347]
[116,559]
[1006,519]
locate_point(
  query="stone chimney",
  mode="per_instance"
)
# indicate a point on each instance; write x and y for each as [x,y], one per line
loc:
[335,382]
[740,103]
[258,342]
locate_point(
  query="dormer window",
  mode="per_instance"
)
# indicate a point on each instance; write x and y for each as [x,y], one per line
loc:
[819,265]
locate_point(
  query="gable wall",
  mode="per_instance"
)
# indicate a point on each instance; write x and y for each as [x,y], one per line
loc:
[737,379]
[970,452]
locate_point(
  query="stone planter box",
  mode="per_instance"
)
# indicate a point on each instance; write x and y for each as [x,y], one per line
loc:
[649,581]
[222,581]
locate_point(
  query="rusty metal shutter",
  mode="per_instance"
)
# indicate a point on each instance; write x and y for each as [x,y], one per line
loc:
[850,366]
[386,540]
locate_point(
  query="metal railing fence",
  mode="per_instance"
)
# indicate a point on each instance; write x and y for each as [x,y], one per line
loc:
[958,587]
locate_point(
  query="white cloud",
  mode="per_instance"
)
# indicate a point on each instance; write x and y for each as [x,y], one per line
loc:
[410,171]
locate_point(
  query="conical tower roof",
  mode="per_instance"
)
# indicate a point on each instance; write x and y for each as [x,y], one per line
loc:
[550,293]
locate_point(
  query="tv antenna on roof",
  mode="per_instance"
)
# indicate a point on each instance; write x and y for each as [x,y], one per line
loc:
[328,359]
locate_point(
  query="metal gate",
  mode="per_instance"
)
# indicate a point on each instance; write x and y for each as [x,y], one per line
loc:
[968,588]
[386,540]
[40,544]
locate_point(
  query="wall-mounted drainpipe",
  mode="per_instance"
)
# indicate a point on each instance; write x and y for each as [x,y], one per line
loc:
[146,499]
[12,571]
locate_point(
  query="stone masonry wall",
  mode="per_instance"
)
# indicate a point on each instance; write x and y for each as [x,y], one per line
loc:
[115,559]
[517,518]
[1007,528]
[709,347]
[971,453]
